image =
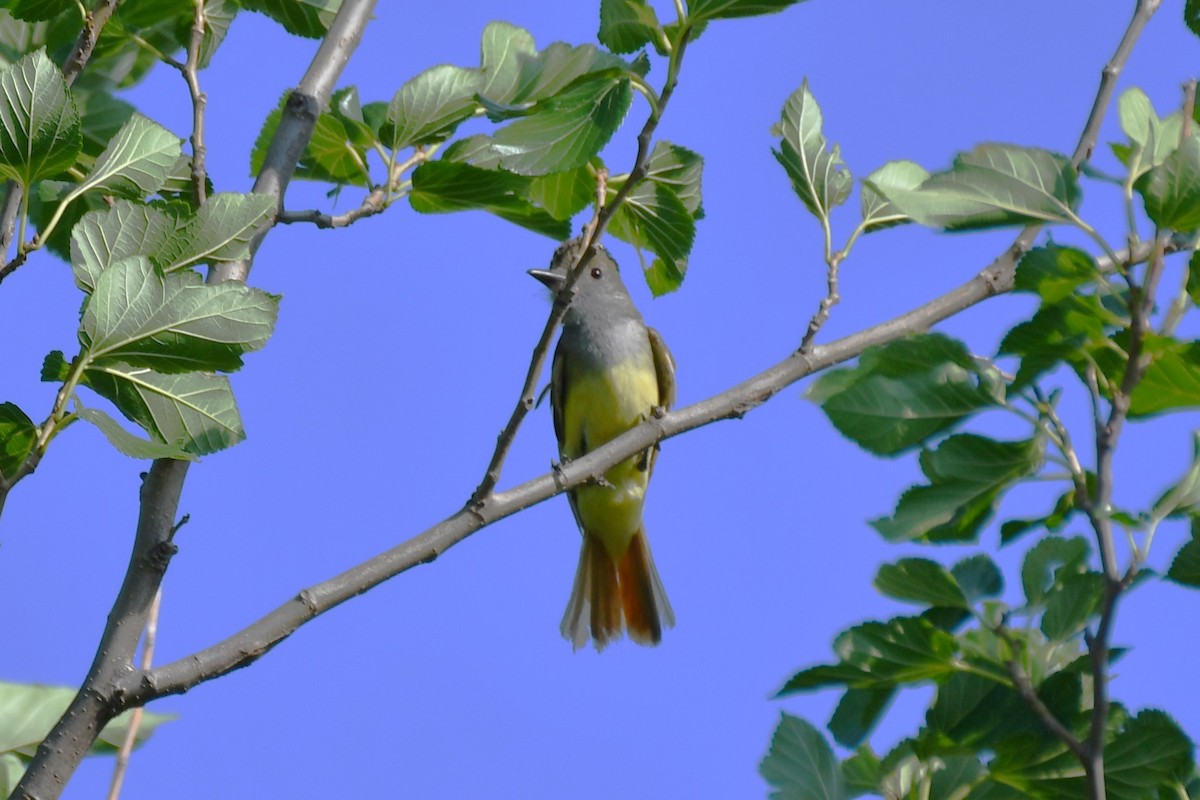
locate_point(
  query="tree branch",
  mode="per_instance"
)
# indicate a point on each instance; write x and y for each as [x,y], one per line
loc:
[101,696]
[199,103]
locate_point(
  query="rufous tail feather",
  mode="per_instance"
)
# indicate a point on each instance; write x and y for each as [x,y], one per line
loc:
[608,597]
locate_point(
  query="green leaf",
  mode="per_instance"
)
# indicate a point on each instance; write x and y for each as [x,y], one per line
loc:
[889,415]
[220,231]
[877,212]
[1048,563]
[679,170]
[102,117]
[704,10]
[12,768]
[308,18]
[818,174]
[17,437]
[978,577]
[976,712]
[336,152]
[173,322]
[1171,190]
[1054,521]
[1054,272]
[825,675]
[137,162]
[1150,752]
[38,10]
[627,25]
[902,650]
[39,126]
[920,580]
[861,772]
[1185,567]
[955,774]
[858,712]
[566,130]
[653,217]
[563,194]
[1171,381]
[1191,15]
[514,72]
[443,186]
[967,474]
[101,238]
[1071,331]
[126,442]
[1071,603]
[29,711]
[218,16]
[993,185]
[1137,116]
[1184,496]
[430,106]
[800,764]
[194,410]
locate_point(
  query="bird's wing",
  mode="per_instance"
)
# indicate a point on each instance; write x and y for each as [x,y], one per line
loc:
[664,368]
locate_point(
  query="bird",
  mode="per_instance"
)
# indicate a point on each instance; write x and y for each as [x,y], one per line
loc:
[609,373]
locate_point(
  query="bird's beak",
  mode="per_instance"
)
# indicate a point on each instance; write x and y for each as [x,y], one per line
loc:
[552,280]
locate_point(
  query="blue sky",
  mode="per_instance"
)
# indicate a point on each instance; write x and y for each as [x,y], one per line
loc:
[400,350]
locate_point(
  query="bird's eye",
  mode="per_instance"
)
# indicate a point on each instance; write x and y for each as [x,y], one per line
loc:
[596,273]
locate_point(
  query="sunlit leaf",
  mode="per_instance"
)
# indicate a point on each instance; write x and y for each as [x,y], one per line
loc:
[29,711]
[173,322]
[126,442]
[40,132]
[443,186]
[193,410]
[877,212]
[920,580]
[137,162]
[102,238]
[703,10]
[992,185]
[818,174]
[1054,272]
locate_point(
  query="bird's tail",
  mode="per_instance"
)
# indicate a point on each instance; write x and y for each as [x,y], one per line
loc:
[609,597]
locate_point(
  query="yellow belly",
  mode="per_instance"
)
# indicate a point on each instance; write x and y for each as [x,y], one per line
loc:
[599,408]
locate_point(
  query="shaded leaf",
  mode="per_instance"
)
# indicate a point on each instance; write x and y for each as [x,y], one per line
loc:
[444,186]
[978,577]
[1049,562]
[901,650]
[861,772]
[1185,567]
[1054,272]
[967,474]
[1071,603]
[800,764]
[922,581]
[193,410]
[17,437]
[308,18]
[40,133]
[704,10]
[858,712]
[818,174]
[627,25]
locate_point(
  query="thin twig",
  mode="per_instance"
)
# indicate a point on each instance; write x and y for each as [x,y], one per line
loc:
[199,104]
[135,719]
[374,203]
[1189,109]
[831,299]
[604,214]
[1025,688]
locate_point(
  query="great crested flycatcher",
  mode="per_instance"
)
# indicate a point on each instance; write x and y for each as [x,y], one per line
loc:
[610,372]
